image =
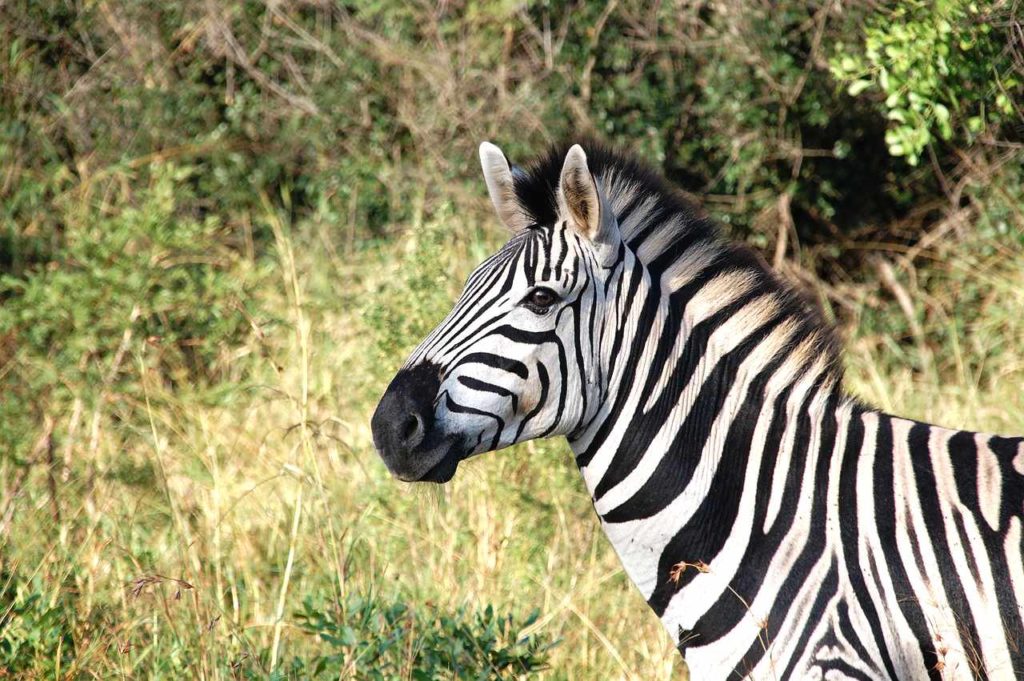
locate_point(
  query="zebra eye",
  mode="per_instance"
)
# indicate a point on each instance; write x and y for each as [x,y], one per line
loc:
[539,299]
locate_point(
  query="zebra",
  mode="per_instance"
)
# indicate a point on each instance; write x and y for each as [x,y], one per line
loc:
[778,527]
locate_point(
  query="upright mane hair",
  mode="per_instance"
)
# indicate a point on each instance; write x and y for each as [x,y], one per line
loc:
[665,230]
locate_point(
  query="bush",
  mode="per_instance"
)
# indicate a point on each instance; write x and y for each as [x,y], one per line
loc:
[335,108]
[366,638]
[146,285]
[35,629]
[944,71]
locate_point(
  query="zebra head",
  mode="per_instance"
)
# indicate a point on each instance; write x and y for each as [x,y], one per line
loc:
[517,358]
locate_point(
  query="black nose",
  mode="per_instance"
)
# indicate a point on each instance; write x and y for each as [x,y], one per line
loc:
[405,414]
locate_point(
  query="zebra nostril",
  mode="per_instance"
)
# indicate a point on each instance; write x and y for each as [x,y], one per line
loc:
[404,419]
[412,430]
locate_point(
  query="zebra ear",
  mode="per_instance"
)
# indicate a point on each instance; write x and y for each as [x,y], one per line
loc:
[498,176]
[581,200]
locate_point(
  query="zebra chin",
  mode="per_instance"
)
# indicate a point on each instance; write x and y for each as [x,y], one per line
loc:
[445,458]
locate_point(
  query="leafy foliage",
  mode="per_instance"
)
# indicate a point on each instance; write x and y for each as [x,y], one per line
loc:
[369,639]
[147,272]
[174,363]
[35,628]
[946,70]
[335,108]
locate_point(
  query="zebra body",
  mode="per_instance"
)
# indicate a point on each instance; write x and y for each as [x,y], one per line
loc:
[779,528]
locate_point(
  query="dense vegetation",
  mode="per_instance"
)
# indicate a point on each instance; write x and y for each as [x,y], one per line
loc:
[222,224]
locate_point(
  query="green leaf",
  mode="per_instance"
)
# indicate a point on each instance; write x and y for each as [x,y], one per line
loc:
[858,86]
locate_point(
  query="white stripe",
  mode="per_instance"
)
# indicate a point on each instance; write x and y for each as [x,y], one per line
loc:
[782,461]
[724,339]
[693,601]
[1012,551]
[712,297]
[779,570]
[895,629]
[990,482]
[637,219]
[981,597]
[690,263]
[595,470]
[661,238]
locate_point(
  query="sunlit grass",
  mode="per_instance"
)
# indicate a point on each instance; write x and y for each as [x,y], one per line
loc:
[185,542]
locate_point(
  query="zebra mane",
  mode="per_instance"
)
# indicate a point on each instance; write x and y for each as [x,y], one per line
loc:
[673,236]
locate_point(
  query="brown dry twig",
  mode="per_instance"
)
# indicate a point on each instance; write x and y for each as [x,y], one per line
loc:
[679,568]
[223,42]
[143,584]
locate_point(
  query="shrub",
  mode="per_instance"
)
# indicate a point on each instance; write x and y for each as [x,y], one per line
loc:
[147,284]
[35,629]
[367,638]
[334,106]
[944,71]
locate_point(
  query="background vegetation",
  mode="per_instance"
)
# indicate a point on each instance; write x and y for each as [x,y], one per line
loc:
[222,225]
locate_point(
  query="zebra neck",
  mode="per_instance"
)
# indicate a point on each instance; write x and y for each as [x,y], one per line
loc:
[680,464]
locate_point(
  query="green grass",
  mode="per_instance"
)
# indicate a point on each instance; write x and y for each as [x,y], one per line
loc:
[194,537]
[239,529]
[187,483]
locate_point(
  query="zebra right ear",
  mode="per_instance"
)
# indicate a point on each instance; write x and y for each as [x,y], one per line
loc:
[498,176]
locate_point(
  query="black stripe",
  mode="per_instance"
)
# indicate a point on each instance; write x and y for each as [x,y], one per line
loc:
[677,466]
[564,253]
[622,309]
[644,426]
[654,220]
[965,541]
[627,210]
[575,308]
[457,408]
[517,335]
[545,383]
[849,532]
[471,307]
[1006,449]
[546,242]
[852,636]
[1011,491]
[827,590]
[530,259]
[885,526]
[483,386]
[677,248]
[705,533]
[730,608]
[563,389]
[644,328]
[814,548]
[495,362]
[964,458]
[845,670]
[470,338]
[931,509]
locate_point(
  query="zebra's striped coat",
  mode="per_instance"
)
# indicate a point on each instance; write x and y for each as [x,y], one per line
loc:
[779,528]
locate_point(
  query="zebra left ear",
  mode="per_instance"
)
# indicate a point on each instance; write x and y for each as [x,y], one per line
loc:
[581,200]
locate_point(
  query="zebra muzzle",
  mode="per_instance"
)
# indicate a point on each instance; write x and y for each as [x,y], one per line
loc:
[403,424]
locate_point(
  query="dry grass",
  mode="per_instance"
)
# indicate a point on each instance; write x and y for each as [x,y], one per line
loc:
[202,535]
[199,535]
